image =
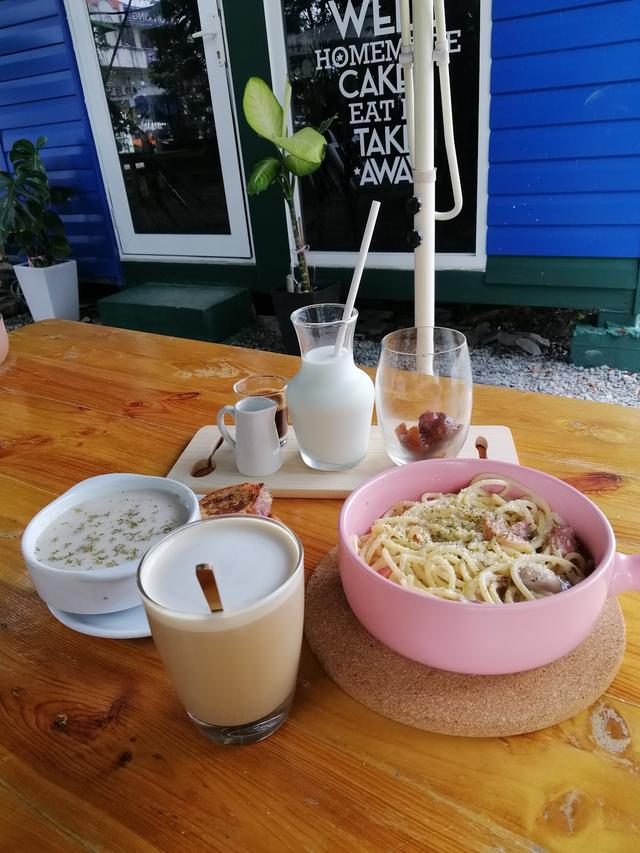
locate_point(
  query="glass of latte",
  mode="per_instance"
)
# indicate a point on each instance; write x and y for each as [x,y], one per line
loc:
[234,667]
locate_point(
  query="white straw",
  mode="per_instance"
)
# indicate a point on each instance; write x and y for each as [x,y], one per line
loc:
[357,273]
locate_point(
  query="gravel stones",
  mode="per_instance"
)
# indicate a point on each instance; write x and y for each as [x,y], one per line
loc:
[17,321]
[491,365]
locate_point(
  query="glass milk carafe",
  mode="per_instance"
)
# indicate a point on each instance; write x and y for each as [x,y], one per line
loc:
[330,399]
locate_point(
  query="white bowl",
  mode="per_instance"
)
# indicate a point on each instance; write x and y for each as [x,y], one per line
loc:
[104,590]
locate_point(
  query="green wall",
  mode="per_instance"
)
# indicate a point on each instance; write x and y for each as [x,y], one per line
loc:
[605,285]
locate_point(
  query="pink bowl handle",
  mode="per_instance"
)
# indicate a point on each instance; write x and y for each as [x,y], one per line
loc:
[626,573]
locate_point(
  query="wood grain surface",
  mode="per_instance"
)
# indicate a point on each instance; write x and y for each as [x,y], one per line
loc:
[96,753]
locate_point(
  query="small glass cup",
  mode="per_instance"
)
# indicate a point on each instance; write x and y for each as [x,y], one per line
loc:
[4,340]
[233,669]
[272,387]
[424,393]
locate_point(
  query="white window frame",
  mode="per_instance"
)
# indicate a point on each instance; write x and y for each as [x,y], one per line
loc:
[404,260]
[229,248]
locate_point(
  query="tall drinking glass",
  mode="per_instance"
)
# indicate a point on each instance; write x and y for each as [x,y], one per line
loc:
[235,668]
[423,393]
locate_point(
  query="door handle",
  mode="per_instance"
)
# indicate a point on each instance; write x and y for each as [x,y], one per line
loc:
[221,58]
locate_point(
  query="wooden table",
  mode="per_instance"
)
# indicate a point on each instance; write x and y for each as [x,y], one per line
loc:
[96,753]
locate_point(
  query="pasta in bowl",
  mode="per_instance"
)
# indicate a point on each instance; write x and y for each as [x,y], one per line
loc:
[493,541]
[481,607]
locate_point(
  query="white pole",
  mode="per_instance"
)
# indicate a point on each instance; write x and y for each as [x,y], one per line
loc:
[406,60]
[417,57]
[424,176]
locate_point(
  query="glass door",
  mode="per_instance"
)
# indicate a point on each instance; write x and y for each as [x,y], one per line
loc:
[155,82]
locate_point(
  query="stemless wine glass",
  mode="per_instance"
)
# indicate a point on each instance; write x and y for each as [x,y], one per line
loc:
[423,393]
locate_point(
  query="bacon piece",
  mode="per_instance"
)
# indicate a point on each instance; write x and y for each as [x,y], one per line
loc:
[495,527]
[522,529]
[562,540]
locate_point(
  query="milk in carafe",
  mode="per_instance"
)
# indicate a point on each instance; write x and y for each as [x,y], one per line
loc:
[330,399]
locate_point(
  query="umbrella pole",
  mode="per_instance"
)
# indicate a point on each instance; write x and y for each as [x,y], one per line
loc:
[418,56]
[424,174]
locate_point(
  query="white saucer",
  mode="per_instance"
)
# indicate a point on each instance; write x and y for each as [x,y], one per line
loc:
[123,625]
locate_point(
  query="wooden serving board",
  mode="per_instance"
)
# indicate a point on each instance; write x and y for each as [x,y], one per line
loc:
[297,480]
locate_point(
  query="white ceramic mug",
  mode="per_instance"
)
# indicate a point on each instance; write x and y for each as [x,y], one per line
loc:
[256,444]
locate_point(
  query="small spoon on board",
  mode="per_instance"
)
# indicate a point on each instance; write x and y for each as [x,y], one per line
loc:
[205,466]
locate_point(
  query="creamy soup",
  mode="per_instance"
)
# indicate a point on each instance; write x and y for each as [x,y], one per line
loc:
[109,530]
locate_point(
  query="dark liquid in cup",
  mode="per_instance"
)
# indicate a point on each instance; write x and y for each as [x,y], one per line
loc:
[282,411]
[281,422]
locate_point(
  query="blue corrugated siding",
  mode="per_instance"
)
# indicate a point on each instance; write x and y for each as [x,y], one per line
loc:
[40,94]
[564,175]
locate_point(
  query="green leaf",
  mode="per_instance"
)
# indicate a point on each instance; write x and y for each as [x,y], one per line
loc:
[60,194]
[41,142]
[26,222]
[307,144]
[21,148]
[285,107]
[261,108]
[326,124]
[263,174]
[7,220]
[32,176]
[53,222]
[299,167]
[35,209]
[59,245]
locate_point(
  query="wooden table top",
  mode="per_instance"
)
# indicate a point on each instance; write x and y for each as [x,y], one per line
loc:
[96,753]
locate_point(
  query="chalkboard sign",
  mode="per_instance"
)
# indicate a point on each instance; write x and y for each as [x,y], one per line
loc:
[342,59]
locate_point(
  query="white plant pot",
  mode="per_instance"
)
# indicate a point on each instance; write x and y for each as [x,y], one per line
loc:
[51,292]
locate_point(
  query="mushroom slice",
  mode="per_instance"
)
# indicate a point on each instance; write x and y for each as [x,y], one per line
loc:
[542,580]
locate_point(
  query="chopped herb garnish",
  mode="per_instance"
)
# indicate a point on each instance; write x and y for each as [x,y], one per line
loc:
[109,532]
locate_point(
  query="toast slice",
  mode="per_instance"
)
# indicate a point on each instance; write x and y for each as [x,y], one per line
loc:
[250,498]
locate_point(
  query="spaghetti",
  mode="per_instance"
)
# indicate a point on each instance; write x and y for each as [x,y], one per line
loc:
[494,541]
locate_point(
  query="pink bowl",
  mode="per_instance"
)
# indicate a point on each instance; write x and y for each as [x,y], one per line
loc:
[478,638]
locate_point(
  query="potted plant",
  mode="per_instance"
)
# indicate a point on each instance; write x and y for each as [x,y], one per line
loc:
[296,155]
[30,228]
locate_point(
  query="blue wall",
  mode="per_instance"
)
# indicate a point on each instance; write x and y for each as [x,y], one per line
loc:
[40,93]
[564,175]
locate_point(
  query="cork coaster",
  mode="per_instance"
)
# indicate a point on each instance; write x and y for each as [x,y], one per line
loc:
[447,702]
